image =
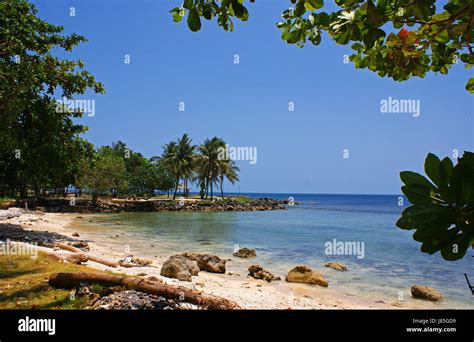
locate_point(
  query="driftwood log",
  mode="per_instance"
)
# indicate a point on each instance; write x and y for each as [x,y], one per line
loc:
[85,256]
[151,287]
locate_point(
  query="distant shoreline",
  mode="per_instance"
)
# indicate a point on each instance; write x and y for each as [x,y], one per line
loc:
[116,205]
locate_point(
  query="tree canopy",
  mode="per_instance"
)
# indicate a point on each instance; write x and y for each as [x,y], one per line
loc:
[398,39]
[39,145]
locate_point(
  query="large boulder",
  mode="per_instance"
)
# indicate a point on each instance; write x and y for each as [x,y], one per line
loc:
[245,252]
[304,274]
[426,292]
[207,262]
[257,272]
[179,267]
[336,265]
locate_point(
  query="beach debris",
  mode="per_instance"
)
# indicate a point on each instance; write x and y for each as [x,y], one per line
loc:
[336,265]
[134,300]
[130,261]
[304,274]
[83,245]
[84,290]
[75,234]
[181,293]
[426,292]
[245,252]
[257,272]
[77,258]
[207,262]
[179,267]
[233,274]
[89,257]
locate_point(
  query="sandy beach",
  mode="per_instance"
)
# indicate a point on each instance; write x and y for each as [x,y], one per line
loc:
[248,292]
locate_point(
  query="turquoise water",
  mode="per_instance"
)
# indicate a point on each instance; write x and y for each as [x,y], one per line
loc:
[392,261]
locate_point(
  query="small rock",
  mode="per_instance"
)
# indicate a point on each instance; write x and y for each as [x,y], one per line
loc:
[304,274]
[426,292]
[245,252]
[75,234]
[257,272]
[336,265]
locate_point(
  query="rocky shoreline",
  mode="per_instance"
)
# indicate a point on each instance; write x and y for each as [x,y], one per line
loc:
[77,205]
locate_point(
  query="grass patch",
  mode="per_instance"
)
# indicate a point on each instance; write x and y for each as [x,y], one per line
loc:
[24,283]
[243,199]
[6,202]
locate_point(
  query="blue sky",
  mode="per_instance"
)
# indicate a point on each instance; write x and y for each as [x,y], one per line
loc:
[336,106]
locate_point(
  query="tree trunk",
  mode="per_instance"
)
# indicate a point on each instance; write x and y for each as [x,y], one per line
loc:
[176,188]
[222,188]
[168,291]
[23,191]
[94,198]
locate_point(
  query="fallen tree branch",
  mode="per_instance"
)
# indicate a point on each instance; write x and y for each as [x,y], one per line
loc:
[159,289]
[89,257]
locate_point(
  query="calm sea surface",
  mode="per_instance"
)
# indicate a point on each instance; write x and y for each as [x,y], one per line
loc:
[390,264]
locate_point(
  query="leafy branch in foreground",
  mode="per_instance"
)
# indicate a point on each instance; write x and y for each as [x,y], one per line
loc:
[443,209]
[427,39]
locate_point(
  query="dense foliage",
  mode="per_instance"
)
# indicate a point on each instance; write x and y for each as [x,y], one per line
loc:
[40,147]
[397,39]
[443,209]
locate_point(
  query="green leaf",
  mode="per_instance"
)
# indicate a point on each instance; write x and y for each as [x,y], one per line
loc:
[240,11]
[413,178]
[176,14]
[188,4]
[470,85]
[294,36]
[421,215]
[432,169]
[456,248]
[194,21]
[317,4]
[300,9]
[374,17]
[441,17]
[418,194]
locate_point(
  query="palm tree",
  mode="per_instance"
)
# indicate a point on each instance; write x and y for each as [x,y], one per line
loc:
[209,162]
[228,169]
[179,158]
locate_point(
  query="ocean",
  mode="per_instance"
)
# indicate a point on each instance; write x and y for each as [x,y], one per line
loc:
[383,261]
